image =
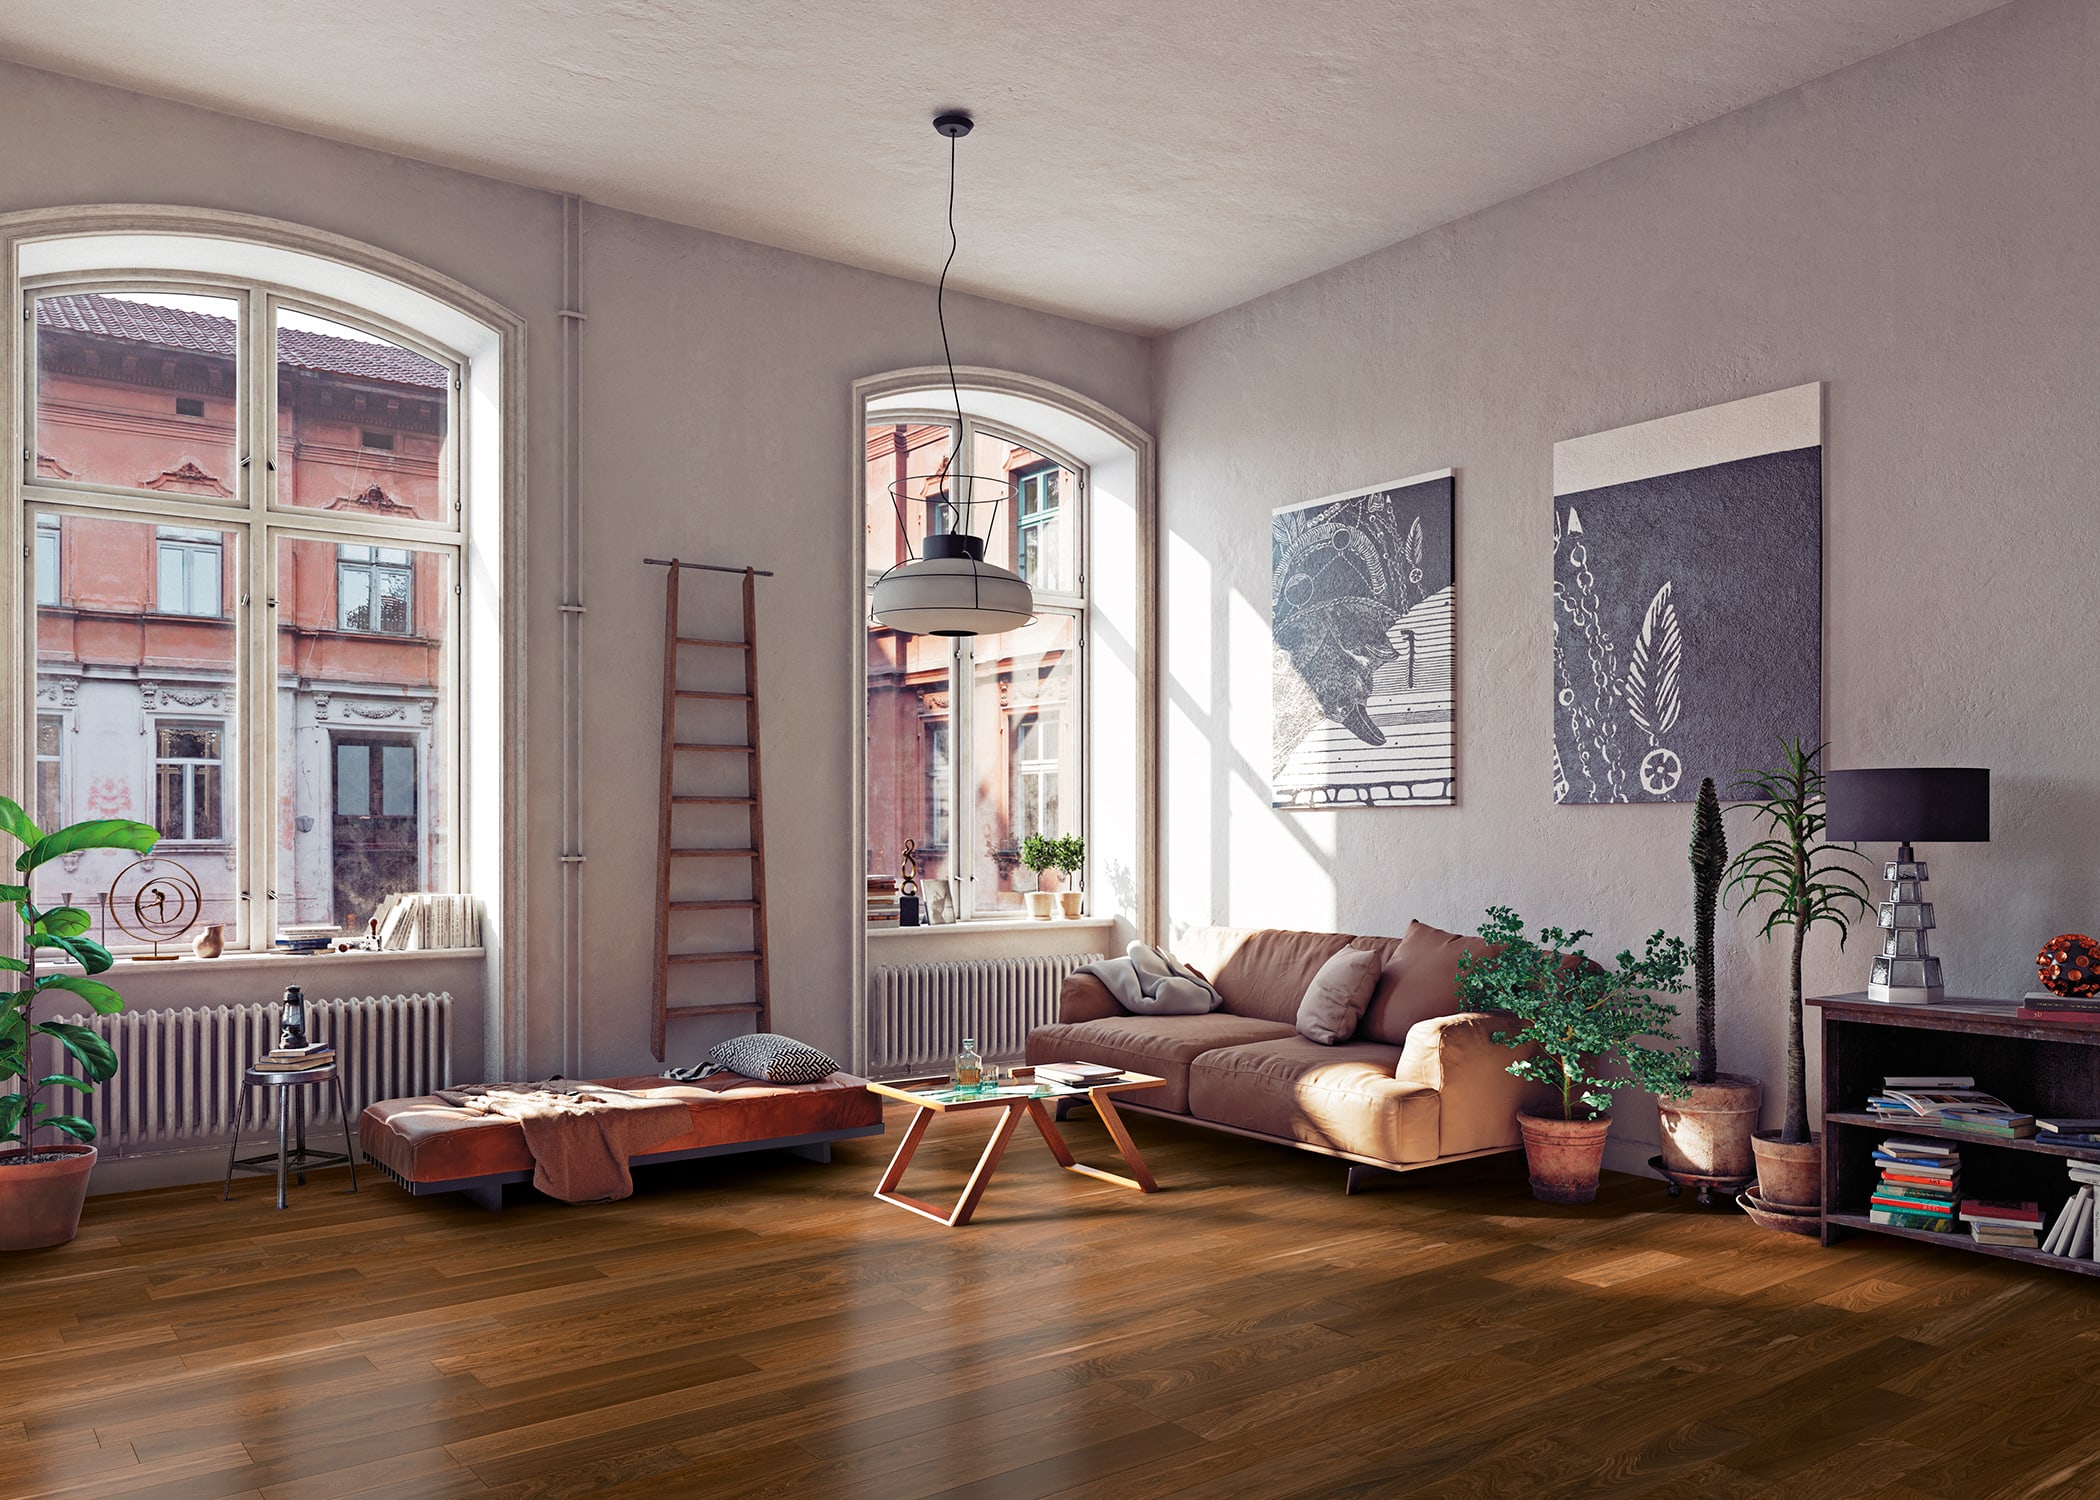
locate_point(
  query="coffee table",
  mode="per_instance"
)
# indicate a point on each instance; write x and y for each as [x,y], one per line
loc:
[931,1097]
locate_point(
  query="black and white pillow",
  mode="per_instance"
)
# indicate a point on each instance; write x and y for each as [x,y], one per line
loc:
[773,1059]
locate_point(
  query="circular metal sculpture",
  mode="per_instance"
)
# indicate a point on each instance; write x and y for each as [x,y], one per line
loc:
[2069,965]
[155,901]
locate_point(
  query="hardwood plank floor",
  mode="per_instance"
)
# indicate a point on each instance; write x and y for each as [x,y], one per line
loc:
[760,1326]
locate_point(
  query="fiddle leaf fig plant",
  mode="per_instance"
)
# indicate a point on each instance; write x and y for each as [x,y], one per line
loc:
[58,930]
[1580,1015]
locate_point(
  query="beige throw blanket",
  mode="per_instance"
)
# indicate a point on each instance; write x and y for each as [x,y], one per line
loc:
[581,1135]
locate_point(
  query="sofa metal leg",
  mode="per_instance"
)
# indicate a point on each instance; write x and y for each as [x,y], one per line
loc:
[489,1196]
[1362,1177]
[818,1151]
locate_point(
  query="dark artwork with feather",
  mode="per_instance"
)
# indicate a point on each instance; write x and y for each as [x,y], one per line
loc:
[1360,610]
[1687,603]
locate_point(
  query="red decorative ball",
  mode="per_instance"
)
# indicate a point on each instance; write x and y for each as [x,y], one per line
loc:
[2070,965]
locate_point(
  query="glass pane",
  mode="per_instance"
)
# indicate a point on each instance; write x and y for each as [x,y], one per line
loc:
[50,807]
[142,695]
[1024,691]
[48,559]
[336,385]
[356,704]
[111,369]
[394,584]
[48,727]
[911,458]
[908,752]
[1032,531]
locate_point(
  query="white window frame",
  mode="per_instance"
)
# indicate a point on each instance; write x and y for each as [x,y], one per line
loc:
[962,801]
[372,567]
[228,778]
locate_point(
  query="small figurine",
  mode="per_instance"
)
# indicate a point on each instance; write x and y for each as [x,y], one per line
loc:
[908,886]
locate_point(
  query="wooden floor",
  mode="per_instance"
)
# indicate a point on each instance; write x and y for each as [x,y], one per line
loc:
[761,1326]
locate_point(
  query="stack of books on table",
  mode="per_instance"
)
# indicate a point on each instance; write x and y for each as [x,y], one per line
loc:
[1995,1223]
[1920,1184]
[1077,1075]
[296,1059]
[2042,1005]
[882,901]
[1952,1104]
[2072,1234]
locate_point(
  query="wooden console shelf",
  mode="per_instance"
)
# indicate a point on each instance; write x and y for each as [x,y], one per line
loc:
[2042,1067]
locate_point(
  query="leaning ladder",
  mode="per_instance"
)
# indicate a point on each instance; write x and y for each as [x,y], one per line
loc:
[668,853]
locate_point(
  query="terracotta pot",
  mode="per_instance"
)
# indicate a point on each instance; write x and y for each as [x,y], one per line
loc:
[1566,1157]
[211,942]
[1707,1133]
[1069,903]
[1789,1176]
[40,1202]
[1042,905]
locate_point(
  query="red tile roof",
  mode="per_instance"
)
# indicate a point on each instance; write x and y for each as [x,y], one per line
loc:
[202,333]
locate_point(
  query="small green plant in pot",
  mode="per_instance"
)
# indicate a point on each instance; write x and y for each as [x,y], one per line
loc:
[1584,1026]
[42,1185]
[1040,855]
[1071,859]
[1800,881]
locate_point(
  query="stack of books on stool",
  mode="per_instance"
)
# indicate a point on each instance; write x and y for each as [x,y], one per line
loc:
[1993,1223]
[297,1059]
[1920,1184]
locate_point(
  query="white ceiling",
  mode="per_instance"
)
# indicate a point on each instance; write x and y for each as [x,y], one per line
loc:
[1138,163]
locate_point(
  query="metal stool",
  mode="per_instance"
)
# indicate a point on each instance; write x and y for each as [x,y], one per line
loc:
[293,1158]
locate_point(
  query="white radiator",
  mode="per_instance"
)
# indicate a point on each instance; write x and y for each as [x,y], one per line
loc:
[918,1014]
[178,1080]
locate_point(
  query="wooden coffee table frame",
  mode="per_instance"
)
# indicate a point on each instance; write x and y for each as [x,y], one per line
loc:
[916,1092]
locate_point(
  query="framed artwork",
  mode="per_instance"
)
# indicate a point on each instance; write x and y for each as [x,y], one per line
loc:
[1363,691]
[1687,598]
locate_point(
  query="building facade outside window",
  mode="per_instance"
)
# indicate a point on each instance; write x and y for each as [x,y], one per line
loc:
[976,742]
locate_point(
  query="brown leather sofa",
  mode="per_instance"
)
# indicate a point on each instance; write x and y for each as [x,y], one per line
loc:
[1420,1082]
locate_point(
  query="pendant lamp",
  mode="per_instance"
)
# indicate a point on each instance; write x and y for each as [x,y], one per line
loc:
[947,587]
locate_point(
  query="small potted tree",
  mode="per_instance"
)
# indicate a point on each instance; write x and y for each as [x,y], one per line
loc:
[1071,859]
[1040,855]
[42,1186]
[1706,1133]
[1581,1018]
[1801,881]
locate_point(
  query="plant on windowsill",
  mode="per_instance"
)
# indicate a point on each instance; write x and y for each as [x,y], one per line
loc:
[1580,1018]
[42,1188]
[1040,855]
[1071,859]
[1805,881]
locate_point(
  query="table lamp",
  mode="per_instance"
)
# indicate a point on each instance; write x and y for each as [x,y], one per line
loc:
[1902,806]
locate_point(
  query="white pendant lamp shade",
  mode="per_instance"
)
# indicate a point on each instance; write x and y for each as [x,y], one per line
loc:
[952,590]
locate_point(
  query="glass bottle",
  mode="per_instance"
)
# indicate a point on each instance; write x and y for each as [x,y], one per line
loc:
[969,1067]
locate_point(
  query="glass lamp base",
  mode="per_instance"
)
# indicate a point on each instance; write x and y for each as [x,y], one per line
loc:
[1904,994]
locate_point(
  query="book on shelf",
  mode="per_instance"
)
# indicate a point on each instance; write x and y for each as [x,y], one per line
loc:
[2049,1126]
[2057,1013]
[2012,1239]
[2001,1211]
[1915,1146]
[1902,1218]
[1929,1081]
[2072,1234]
[2053,1001]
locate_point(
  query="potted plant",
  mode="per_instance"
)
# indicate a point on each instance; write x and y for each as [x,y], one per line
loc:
[42,1187]
[1706,1133]
[1071,858]
[1580,1017]
[1040,855]
[1802,881]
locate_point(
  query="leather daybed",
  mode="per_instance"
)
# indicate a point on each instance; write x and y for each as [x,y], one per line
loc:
[429,1146]
[1420,1082]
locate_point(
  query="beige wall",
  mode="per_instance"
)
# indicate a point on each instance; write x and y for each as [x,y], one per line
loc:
[1922,232]
[716,416]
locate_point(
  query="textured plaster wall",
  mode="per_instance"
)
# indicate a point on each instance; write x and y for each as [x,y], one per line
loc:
[717,409]
[1921,231]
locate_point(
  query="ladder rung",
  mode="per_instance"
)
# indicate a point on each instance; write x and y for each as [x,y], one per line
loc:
[693,640]
[724,749]
[724,697]
[714,853]
[714,906]
[680,1012]
[741,957]
[726,801]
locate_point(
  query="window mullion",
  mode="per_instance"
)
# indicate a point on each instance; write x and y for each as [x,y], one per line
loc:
[258,621]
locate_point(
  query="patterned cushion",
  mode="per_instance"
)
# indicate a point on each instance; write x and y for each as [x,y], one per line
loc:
[773,1059]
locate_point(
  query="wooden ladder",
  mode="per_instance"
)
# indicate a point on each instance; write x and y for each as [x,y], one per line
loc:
[668,853]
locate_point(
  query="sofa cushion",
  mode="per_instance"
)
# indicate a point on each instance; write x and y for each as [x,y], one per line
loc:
[1420,981]
[1344,1098]
[1162,1046]
[1260,972]
[1337,996]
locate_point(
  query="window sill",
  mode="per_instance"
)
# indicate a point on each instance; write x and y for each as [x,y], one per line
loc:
[130,964]
[1000,924]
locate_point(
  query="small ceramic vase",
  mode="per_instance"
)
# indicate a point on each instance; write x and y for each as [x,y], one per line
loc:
[211,942]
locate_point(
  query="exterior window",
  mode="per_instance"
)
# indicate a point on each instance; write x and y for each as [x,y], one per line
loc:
[48,558]
[188,767]
[189,571]
[189,406]
[1035,513]
[374,587]
[50,772]
[1035,778]
[383,441]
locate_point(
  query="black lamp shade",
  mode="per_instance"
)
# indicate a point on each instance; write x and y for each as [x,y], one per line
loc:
[1908,805]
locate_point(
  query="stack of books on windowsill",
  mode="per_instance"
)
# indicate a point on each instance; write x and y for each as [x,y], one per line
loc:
[1952,1104]
[296,1059]
[882,901]
[1991,1222]
[1920,1184]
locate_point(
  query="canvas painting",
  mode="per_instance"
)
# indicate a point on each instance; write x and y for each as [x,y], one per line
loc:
[1360,618]
[1687,598]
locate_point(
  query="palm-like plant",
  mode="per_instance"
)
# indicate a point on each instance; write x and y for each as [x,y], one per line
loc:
[60,929]
[1804,881]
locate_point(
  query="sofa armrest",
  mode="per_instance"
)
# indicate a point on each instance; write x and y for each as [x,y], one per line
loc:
[1082,997]
[1459,1058]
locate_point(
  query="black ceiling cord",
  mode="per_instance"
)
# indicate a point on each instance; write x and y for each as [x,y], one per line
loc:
[954,126]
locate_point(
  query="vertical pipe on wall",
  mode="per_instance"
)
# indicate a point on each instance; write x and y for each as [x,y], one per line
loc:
[571,854]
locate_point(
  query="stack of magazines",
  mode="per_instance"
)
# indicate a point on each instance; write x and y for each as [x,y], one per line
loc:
[1952,1104]
[1077,1075]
